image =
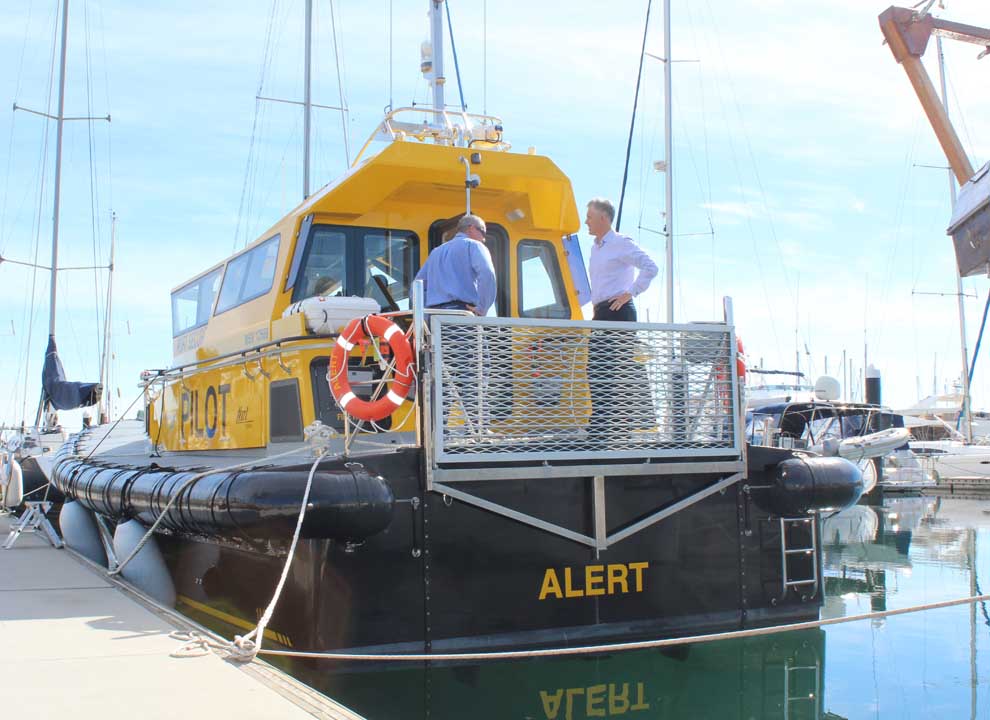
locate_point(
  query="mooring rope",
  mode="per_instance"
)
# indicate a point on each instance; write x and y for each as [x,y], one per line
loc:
[246,647]
[625,646]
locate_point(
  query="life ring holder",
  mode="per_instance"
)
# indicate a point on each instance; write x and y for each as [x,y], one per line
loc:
[357,331]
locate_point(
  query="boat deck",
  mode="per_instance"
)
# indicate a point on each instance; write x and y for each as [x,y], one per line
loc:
[74,644]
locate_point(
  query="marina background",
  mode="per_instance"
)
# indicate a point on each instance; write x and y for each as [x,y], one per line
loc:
[800,151]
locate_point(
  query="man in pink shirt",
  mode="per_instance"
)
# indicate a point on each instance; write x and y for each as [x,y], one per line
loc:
[619,269]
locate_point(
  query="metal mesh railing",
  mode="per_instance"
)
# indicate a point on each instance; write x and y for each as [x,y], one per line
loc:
[508,389]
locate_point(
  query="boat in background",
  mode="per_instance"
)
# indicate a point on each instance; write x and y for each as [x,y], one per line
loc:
[858,432]
[772,387]
[25,459]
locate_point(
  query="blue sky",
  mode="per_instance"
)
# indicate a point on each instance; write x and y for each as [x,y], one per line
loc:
[799,189]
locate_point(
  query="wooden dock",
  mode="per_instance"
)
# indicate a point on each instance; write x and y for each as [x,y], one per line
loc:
[74,644]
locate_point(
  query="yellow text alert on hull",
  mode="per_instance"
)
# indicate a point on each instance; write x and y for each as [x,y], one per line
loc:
[610,579]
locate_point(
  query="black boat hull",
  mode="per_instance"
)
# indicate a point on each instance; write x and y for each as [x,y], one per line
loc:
[391,567]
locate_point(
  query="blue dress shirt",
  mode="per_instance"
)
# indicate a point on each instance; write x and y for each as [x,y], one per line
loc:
[459,270]
[613,264]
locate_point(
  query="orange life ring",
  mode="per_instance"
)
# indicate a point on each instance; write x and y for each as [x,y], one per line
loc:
[740,361]
[340,386]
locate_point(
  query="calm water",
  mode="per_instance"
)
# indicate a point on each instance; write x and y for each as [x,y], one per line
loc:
[933,664]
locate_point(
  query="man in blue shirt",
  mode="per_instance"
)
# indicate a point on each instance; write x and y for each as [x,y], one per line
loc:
[459,275]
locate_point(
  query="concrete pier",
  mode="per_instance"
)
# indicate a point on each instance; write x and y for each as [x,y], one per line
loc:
[73,644]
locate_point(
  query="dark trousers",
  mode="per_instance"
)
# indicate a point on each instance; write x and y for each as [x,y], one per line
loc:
[452,305]
[620,397]
[626,313]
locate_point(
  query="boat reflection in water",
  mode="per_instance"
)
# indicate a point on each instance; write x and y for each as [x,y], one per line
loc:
[779,676]
[863,543]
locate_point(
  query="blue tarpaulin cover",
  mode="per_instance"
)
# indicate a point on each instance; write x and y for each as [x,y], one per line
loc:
[61,394]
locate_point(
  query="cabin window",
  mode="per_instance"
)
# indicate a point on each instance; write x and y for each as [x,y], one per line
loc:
[365,262]
[191,304]
[387,267]
[324,265]
[249,275]
[541,288]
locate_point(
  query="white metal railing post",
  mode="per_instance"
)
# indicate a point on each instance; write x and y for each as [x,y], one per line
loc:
[416,301]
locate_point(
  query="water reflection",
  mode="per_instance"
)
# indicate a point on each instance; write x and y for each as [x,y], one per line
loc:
[906,552]
[776,677]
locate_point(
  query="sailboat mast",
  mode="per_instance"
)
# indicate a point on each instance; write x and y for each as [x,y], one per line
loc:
[967,419]
[668,154]
[436,45]
[307,95]
[105,360]
[60,122]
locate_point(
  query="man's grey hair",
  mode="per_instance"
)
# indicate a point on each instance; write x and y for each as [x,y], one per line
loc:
[603,205]
[470,221]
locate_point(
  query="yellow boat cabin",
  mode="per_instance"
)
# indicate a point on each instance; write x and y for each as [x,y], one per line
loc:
[248,373]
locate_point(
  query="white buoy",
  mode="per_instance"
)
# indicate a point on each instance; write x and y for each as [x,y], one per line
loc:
[13,490]
[80,533]
[147,570]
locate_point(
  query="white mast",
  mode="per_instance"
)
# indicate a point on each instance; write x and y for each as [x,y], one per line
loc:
[307,97]
[668,154]
[967,420]
[60,121]
[436,46]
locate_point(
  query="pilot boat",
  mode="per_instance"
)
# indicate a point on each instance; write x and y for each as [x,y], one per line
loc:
[447,485]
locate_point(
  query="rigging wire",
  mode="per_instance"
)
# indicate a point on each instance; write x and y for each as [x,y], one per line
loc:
[390,55]
[94,202]
[484,57]
[979,339]
[707,191]
[337,53]
[735,164]
[632,120]
[245,201]
[453,50]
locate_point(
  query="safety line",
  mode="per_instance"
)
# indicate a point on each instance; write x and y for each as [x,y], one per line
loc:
[621,647]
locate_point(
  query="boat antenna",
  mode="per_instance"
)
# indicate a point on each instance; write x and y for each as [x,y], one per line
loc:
[632,120]
[436,48]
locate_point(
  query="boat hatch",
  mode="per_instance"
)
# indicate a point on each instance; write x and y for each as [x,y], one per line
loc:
[527,398]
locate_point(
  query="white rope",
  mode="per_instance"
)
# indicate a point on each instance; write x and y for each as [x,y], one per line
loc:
[246,647]
[622,647]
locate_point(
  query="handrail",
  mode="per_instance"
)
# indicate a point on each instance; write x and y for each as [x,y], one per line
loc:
[258,351]
[448,130]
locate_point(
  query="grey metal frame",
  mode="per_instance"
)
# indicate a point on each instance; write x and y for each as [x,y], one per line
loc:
[451,475]
[441,455]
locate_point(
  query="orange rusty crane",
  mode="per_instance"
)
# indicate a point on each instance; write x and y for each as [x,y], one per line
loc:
[907,33]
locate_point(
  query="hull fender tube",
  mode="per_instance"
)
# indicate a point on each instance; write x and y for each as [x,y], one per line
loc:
[146,571]
[80,533]
[805,484]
